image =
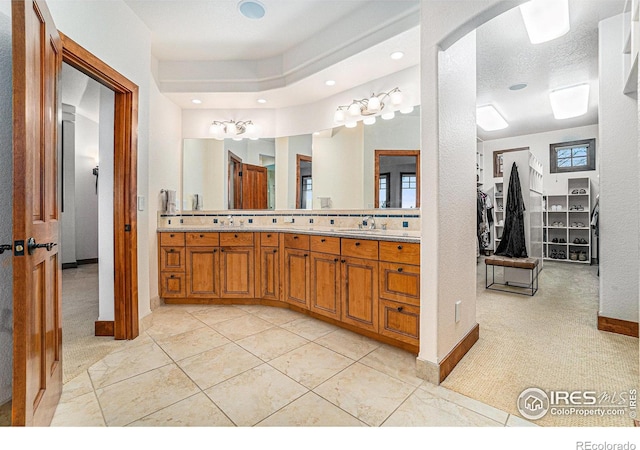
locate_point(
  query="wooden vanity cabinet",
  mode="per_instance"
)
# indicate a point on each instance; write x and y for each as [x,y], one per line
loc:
[359,287]
[172,265]
[325,276]
[203,265]
[237,265]
[296,270]
[269,266]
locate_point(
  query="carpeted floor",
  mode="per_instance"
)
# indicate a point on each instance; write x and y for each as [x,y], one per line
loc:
[549,341]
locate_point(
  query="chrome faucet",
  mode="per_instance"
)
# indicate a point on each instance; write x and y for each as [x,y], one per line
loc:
[370,222]
[230,220]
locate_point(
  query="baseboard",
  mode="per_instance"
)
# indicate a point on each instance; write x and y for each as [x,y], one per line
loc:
[436,373]
[618,326]
[87,261]
[105,328]
[73,265]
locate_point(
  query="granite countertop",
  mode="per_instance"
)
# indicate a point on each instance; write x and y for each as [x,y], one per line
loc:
[377,234]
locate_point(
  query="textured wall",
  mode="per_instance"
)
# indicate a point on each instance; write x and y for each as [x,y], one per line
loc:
[619,169]
[6,172]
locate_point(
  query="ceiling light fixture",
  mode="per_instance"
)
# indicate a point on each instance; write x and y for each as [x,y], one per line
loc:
[233,129]
[570,102]
[397,55]
[367,107]
[330,82]
[196,101]
[251,9]
[545,19]
[517,86]
[489,119]
[262,101]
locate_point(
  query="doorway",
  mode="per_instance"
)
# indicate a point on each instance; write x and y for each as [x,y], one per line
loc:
[304,182]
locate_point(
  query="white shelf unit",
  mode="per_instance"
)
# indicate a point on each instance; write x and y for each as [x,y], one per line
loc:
[631,40]
[498,210]
[479,162]
[567,230]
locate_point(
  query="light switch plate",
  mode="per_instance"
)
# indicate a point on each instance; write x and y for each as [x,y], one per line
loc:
[140,203]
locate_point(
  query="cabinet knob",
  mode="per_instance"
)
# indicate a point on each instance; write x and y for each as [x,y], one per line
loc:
[275,250]
[399,247]
[221,250]
[171,250]
[268,235]
[215,250]
[235,235]
[295,237]
[335,260]
[323,240]
[306,255]
[399,269]
[344,260]
[357,244]
[171,235]
[202,235]
[173,276]
[400,308]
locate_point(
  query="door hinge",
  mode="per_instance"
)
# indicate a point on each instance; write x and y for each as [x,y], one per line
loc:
[18,248]
[127,227]
[239,174]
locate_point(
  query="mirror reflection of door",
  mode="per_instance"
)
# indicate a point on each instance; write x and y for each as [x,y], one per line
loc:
[247,185]
[235,166]
[397,179]
[304,182]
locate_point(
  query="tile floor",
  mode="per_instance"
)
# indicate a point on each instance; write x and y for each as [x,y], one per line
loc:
[260,366]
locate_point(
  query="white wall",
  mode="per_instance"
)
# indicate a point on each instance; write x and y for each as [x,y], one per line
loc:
[68,215]
[619,183]
[85,202]
[205,174]
[6,204]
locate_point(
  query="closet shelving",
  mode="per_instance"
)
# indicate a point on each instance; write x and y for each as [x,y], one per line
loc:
[631,36]
[498,209]
[567,230]
[479,162]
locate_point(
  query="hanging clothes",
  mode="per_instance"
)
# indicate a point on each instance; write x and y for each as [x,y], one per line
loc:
[484,221]
[594,217]
[513,238]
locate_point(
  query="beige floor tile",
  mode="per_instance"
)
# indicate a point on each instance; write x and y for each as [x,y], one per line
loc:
[127,363]
[311,410]
[242,327]
[271,343]
[219,364]
[469,403]
[253,395]
[309,328]
[311,364]
[365,393]
[137,397]
[79,411]
[278,316]
[192,342]
[80,385]
[213,314]
[195,411]
[349,344]
[393,361]
[171,322]
[515,421]
[423,409]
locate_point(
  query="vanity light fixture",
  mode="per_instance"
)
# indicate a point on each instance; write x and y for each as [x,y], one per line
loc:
[233,129]
[368,107]
[570,102]
[545,19]
[489,119]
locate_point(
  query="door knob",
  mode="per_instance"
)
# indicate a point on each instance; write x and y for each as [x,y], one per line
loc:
[32,245]
[4,247]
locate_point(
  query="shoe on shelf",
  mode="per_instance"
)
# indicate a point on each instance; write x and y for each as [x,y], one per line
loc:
[562,254]
[576,241]
[554,240]
[574,225]
[582,191]
[561,224]
[562,241]
[583,256]
[580,208]
[553,254]
[583,241]
[575,191]
[573,256]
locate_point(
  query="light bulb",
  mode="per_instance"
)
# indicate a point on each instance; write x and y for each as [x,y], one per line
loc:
[373,104]
[369,120]
[339,116]
[388,115]
[396,97]
[407,110]
[251,129]
[216,129]
[350,124]
[354,109]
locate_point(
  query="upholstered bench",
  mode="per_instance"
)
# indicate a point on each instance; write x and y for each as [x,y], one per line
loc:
[530,264]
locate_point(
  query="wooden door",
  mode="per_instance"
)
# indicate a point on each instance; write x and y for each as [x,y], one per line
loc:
[270,273]
[360,293]
[37,306]
[237,276]
[254,187]
[325,284]
[296,277]
[203,272]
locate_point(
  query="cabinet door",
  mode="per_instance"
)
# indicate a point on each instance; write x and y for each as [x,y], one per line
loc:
[325,285]
[203,271]
[400,282]
[400,321]
[172,285]
[360,293]
[237,273]
[270,273]
[172,259]
[296,277]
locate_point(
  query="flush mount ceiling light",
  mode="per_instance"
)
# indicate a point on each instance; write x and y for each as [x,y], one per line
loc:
[545,19]
[397,55]
[196,101]
[489,119]
[368,107]
[330,82]
[234,130]
[251,9]
[570,102]
[262,101]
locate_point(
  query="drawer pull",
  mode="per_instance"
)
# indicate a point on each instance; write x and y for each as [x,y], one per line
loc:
[400,308]
[221,250]
[399,269]
[215,250]
[344,260]
[295,237]
[202,235]
[323,240]
[173,276]
[275,250]
[235,235]
[171,250]
[171,235]
[357,244]
[306,255]
[336,260]
[268,235]
[399,247]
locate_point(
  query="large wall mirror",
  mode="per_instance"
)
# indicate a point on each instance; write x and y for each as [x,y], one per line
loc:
[368,166]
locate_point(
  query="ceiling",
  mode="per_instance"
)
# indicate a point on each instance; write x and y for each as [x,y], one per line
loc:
[208,50]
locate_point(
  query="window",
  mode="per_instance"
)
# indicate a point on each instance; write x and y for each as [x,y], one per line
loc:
[575,156]
[307,193]
[384,192]
[498,163]
[408,191]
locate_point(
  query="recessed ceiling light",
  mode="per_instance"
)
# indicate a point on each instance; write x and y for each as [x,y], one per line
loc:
[518,86]
[570,102]
[489,119]
[196,101]
[251,9]
[261,100]
[545,19]
[316,133]
[330,82]
[397,55]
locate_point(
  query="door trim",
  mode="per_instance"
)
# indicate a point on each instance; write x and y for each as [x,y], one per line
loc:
[125,183]
[300,158]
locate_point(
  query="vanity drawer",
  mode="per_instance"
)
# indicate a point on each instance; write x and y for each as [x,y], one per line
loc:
[325,244]
[203,239]
[269,239]
[399,282]
[172,285]
[236,239]
[402,252]
[172,259]
[360,248]
[174,239]
[300,241]
[399,321]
